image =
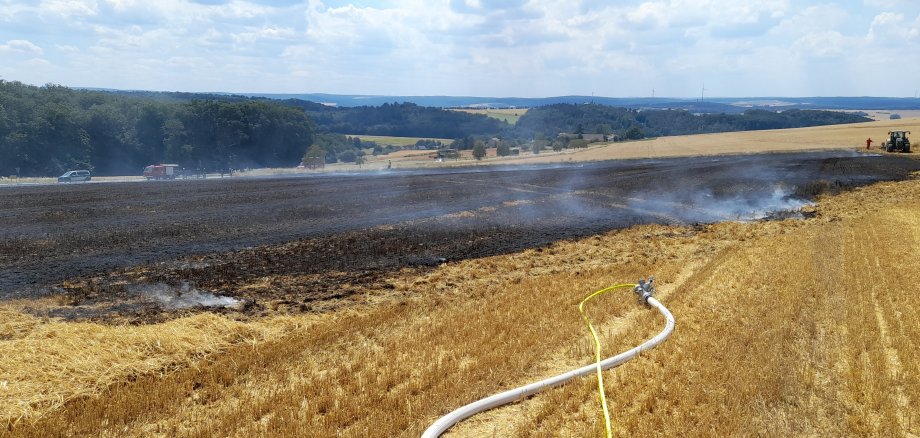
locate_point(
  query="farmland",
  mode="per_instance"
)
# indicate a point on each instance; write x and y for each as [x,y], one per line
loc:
[370,305]
[507,115]
[851,136]
[397,141]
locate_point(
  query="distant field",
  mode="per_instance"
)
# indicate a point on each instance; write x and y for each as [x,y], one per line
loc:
[886,114]
[510,116]
[396,141]
[851,136]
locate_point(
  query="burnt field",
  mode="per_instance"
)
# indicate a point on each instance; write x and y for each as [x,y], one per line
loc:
[332,234]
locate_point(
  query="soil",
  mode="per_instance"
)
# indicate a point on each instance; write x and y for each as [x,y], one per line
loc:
[301,242]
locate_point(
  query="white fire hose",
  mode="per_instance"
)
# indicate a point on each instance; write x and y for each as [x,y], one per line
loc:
[645,293]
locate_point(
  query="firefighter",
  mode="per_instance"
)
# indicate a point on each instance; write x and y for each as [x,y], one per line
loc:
[868,143]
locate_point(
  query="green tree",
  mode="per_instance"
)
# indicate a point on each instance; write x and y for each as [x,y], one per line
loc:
[479,150]
[634,133]
[539,144]
[578,143]
[348,156]
[315,151]
[503,149]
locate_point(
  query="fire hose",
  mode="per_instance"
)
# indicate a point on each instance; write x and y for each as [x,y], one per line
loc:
[644,289]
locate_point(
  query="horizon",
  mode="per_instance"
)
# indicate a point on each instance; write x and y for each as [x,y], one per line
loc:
[360,95]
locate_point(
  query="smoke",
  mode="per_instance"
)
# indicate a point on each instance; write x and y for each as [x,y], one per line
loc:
[182,297]
[707,206]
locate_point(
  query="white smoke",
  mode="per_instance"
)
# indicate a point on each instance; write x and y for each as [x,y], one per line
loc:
[183,297]
[706,206]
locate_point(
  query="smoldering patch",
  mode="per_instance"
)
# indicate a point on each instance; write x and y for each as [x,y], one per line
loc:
[99,300]
[183,296]
[707,206]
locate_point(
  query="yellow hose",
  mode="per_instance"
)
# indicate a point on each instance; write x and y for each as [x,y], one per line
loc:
[597,351]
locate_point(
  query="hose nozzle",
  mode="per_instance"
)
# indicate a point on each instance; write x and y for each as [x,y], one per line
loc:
[645,289]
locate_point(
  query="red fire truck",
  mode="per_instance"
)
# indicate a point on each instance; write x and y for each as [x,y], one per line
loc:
[161,171]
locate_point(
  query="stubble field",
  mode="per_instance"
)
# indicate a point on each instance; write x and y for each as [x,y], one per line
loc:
[834,137]
[796,326]
[507,115]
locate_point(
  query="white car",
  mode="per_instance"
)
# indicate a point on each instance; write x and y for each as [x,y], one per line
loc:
[75,175]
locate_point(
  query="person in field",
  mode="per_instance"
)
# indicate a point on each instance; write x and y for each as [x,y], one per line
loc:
[868,143]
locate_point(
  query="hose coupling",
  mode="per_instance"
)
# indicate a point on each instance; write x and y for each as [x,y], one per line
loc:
[645,289]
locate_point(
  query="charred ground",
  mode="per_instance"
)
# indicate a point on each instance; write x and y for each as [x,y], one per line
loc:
[309,240]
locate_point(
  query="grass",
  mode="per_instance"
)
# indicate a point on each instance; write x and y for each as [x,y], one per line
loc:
[799,327]
[44,364]
[397,141]
[507,115]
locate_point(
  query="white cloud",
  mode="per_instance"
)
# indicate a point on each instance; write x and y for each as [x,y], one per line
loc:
[891,4]
[822,44]
[69,7]
[20,46]
[37,63]
[507,47]
[892,28]
[66,48]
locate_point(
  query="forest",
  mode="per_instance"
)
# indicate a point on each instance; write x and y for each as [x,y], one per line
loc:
[548,121]
[47,130]
[401,120]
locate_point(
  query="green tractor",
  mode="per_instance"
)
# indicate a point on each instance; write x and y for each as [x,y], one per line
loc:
[897,142]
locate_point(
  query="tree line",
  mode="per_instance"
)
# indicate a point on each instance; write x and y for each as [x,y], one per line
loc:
[624,123]
[48,130]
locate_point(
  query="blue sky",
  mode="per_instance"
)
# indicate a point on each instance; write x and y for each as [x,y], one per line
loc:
[469,47]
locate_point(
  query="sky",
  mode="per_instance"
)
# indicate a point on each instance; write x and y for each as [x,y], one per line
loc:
[498,48]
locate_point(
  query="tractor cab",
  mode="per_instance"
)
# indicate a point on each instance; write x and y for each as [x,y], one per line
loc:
[897,142]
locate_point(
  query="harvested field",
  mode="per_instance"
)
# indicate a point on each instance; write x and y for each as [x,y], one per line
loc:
[364,317]
[507,115]
[852,136]
[832,137]
[397,141]
[376,223]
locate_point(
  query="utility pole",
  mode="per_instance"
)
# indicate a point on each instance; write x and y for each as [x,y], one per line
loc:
[702,92]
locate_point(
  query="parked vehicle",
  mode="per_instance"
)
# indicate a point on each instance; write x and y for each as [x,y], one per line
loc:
[161,171]
[74,176]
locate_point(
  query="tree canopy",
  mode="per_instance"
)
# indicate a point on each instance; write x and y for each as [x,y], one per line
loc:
[401,120]
[551,120]
[48,130]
